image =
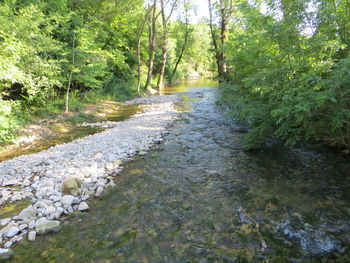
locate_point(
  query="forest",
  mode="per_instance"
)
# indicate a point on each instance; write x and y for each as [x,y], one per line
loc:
[283,65]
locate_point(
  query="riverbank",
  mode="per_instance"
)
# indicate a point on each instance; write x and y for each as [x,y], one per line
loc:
[60,180]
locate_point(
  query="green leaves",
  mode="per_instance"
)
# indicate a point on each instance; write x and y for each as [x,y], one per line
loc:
[289,84]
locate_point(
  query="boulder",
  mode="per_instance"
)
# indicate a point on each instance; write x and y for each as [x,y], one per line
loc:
[7,228]
[67,200]
[71,186]
[12,231]
[28,213]
[44,226]
[83,206]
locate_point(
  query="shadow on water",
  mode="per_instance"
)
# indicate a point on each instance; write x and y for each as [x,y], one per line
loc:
[199,197]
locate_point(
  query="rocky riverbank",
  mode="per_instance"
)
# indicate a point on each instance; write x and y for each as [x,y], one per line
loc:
[61,180]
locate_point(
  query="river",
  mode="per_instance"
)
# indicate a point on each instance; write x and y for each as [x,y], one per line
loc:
[198,197]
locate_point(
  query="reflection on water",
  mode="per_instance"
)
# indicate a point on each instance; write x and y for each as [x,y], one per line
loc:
[199,198]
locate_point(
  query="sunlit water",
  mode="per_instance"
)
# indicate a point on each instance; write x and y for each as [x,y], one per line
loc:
[199,197]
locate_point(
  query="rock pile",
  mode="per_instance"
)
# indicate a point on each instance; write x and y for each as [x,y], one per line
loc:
[61,179]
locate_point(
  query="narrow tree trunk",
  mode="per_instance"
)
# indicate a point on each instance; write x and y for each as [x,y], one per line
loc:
[139,60]
[70,75]
[139,64]
[226,10]
[152,43]
[213,35]
[160,83]
[165,19]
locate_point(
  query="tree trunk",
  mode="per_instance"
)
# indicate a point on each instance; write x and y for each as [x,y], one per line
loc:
[70,76]
[226,10]
[160,83]
[165,20]
[152,44]
[213,35]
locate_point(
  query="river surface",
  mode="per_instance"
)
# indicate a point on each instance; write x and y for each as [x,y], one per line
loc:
[198,197]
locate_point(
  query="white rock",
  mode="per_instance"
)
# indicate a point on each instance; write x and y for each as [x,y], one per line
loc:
[31,236]
[67,200]
[12,231]
[8,244]
[50,210]
[23,226]
[99,191]
[31,224]
[83,206]
[28,213]
[5,221]
[44,226]
[10,182]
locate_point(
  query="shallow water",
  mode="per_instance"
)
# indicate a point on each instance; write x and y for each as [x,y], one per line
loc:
[199,197]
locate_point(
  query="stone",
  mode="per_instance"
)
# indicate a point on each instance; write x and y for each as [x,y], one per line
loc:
[6,229]
[10,182]
[28,213]
[50,210]
[5,221]
[71,186]
[12,231]
[31,236]
[6,253]
[99,191]
[14,239]
[83,206]
[23,226]
[8,244]
[67,200]
[44,226]
[31,224]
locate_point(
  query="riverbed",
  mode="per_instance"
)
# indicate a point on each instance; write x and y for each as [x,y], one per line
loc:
[198,197]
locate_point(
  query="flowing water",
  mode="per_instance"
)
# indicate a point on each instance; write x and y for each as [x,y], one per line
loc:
[199,197]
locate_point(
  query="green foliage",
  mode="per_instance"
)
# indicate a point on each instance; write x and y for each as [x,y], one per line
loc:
[38,41]
[289,79]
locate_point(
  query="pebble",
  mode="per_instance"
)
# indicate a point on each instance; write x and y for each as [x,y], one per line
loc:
[92,159]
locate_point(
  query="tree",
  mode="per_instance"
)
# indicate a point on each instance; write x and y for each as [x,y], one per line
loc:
[182,42]
[225,10]
[165,21]
[152,31]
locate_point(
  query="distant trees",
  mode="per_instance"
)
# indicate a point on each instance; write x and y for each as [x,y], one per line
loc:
[63,49]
